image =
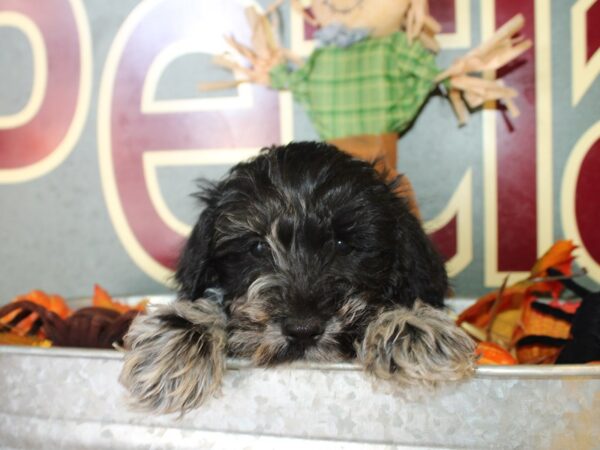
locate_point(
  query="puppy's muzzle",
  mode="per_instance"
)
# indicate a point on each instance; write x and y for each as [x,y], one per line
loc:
[302,331]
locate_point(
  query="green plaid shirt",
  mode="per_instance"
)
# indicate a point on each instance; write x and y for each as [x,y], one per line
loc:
[375,86]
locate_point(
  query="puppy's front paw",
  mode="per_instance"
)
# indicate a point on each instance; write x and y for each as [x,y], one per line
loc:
[421,345]
[176,356]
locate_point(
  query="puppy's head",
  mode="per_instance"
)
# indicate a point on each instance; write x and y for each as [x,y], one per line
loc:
[303,245]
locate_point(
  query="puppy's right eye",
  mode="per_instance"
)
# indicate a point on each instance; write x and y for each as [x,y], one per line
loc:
[259,249]
[342,247]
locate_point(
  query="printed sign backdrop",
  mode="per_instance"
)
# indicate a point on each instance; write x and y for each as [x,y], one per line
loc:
[103,131]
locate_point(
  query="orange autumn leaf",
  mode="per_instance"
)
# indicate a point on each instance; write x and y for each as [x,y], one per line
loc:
[479,314]
[102,299]
[15,339]
[536,322]
[560,256]
[54,303]
[537,353]
[490,353]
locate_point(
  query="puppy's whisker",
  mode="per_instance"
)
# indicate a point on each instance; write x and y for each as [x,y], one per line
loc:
[271,344]
[332,327]
[324,352]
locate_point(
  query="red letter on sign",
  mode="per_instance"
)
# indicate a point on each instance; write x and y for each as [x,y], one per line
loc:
[581,199]
[518,152]
[516,174]
[587,202]
[37,138]
[130,132]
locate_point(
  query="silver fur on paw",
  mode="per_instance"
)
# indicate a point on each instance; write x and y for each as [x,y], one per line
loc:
[176,356]
[421,345]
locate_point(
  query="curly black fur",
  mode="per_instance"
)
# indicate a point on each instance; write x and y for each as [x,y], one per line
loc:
[325,228]
[302,249]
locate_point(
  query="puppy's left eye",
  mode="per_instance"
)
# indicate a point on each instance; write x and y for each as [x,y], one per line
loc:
[342,247]
[259,249]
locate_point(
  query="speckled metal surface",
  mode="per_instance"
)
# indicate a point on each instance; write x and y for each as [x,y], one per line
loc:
[60,398]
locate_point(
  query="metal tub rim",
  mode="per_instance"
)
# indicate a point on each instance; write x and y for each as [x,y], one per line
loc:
[545,372]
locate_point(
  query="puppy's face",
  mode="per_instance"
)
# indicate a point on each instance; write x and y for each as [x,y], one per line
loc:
[303,246]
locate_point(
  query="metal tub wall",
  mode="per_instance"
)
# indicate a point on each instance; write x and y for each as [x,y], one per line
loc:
[70,398]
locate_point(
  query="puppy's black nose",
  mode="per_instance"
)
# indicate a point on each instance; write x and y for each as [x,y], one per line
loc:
[306,330]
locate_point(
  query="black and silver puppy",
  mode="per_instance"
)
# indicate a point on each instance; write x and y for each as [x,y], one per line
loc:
[301,253]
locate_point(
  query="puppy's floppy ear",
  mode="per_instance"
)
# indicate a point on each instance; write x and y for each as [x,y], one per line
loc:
[420,272]
[194,272]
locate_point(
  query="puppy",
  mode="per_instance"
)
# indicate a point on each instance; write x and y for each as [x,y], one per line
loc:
[300,253]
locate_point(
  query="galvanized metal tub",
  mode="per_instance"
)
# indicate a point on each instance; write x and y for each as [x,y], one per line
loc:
[70,398]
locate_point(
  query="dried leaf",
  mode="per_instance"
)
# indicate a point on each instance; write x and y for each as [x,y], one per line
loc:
[504,326]
[559,256]
[540,320]
[479,314]
[54,303]
[490,353]
[13,339]
[102,299]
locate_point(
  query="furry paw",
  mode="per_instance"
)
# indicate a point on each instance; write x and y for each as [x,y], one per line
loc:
[176,356]
[421,345]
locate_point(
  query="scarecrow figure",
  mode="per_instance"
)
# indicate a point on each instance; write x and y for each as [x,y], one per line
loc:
[373,70]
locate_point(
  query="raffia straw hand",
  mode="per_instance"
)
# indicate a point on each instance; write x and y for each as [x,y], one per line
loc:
[263,56]
[494,53]
[418,24]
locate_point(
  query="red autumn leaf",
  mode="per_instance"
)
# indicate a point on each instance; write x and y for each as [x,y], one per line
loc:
[568,307]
